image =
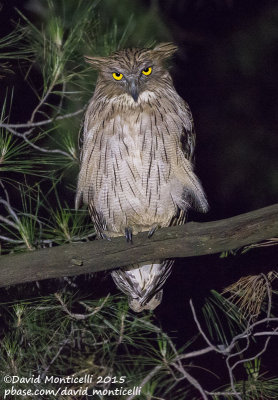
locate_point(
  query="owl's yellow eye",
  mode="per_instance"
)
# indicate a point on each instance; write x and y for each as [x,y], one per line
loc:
[147,71]
[117,76]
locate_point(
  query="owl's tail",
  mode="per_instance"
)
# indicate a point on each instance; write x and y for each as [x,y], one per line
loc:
[143,282]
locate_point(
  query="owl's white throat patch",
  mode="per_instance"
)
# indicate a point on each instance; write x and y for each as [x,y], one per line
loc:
[146,96]
[127,99]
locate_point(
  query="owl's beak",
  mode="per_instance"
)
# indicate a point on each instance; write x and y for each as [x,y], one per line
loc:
[133,88]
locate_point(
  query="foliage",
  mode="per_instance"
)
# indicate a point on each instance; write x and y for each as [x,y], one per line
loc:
[61,334]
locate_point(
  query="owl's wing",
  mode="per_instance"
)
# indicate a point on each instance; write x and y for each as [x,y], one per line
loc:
[193,194]
[85,187]
[188,137]
[80,137]
[83,131]
[98,221]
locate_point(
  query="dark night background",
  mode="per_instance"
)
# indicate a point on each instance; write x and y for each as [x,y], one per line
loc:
[226,69]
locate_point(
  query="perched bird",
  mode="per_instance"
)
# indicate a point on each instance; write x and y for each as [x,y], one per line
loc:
[136,171]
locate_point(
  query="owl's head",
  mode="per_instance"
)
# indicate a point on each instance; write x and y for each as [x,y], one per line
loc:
[133,71]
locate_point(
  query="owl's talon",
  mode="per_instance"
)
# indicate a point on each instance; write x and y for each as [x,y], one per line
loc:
[106,237]
[152,231]
[128,235]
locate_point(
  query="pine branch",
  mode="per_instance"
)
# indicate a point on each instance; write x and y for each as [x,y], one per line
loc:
[192,239]
[41,123]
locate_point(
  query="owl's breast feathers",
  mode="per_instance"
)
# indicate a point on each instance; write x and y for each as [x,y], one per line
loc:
[136,167]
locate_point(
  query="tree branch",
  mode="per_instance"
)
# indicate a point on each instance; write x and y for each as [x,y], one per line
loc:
[192,239]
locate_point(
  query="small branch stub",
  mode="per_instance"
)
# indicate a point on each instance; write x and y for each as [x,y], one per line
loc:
[76,261]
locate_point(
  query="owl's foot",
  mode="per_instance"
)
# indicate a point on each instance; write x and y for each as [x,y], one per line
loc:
[152,231]
[128,235]
[106,237]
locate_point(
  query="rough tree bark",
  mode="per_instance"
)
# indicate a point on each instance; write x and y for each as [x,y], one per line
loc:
[191,239]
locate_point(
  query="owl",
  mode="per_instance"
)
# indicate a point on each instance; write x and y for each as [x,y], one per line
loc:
[136,170]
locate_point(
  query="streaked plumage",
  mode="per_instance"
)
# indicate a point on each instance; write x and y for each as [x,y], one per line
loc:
[136,160]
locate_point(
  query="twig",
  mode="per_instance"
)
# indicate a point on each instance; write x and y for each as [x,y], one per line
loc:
[268,287]
[80,316]
[195,353]
[8,222]
[179,367]
[254,357]
[196,384]
[247,332]
[41,123]
[222,393]
[272,333]
[66,341]
[43,150]
[7,239]
[147,378]
[5,192]
[24,137]
[10,210]
[201,330]
[31,125]
[43,100]
[121,335]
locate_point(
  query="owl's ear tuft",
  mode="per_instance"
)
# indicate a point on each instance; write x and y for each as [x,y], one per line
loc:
[164,50]
[96,62]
